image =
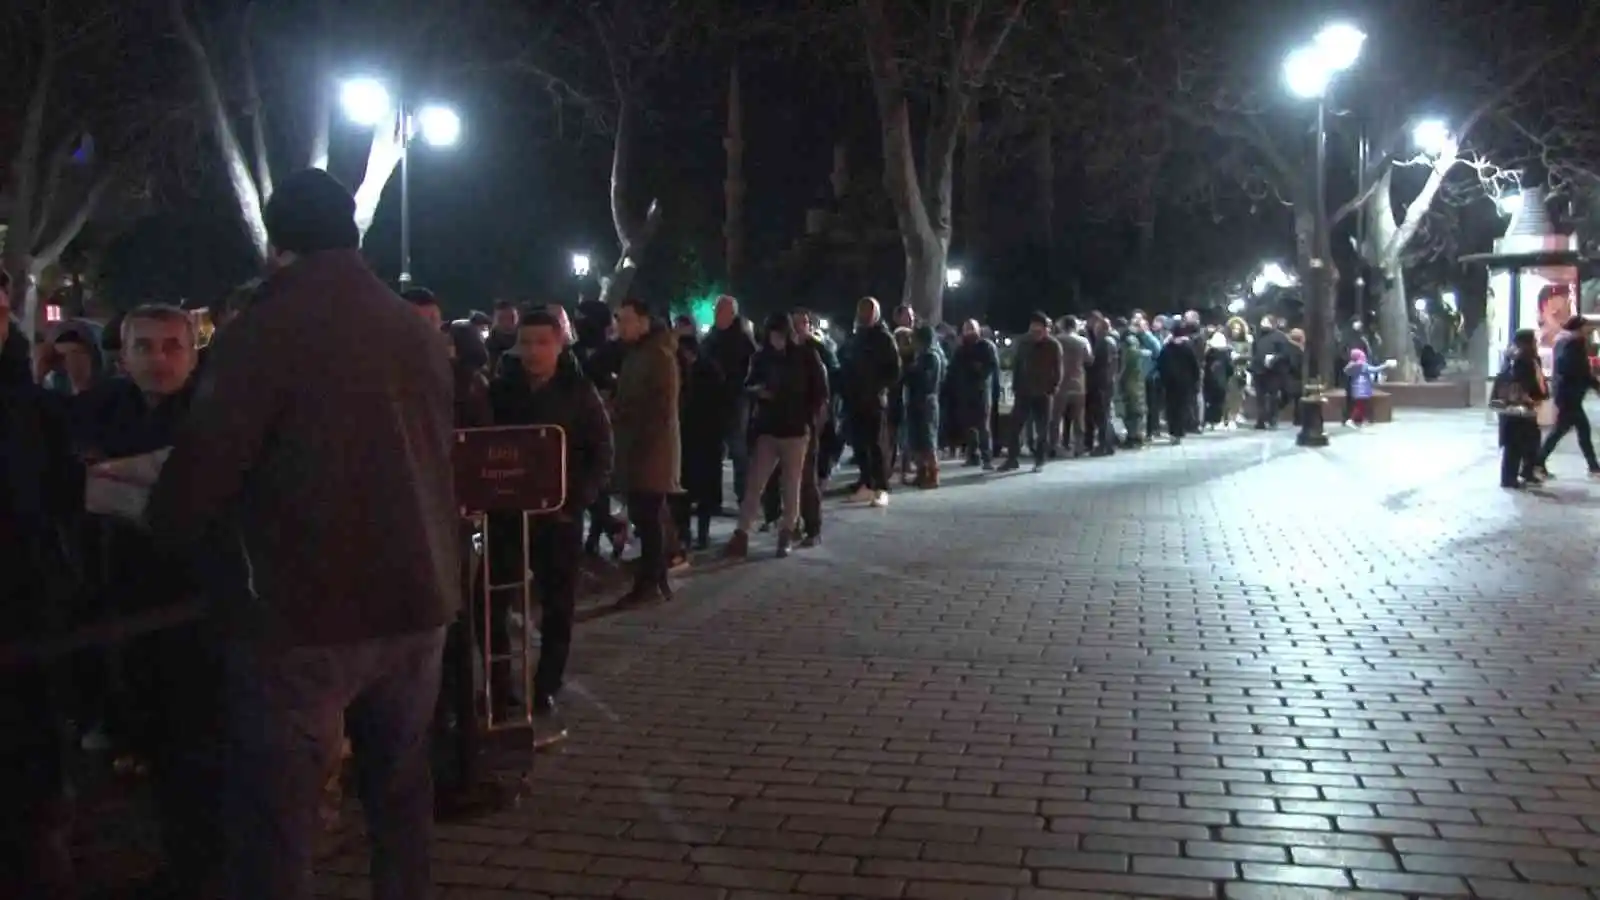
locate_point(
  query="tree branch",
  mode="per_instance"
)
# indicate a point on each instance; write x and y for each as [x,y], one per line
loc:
[254,108]
[245,191]
[72,226]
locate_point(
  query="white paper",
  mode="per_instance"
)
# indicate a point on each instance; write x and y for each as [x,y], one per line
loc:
[121,487]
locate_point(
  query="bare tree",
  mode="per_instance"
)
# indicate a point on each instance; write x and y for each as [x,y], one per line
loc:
[229,103]
[1210,79]
[958,44]
[85,125]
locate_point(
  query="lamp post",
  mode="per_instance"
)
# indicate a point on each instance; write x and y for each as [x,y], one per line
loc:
[953,277]
[1309,72]
[367,102]
[580,265]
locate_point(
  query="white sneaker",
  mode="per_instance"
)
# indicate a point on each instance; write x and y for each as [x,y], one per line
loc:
[880,499]
[863,494]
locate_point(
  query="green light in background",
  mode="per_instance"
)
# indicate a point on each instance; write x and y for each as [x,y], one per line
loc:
[701,306]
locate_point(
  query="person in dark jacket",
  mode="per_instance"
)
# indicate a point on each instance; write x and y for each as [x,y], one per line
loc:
[1035,378]
[40,494]
[544,394]
[335,468]
[1574,379]
[972,367]
[1519,390]
[790,389]
[924,379]
[699,415]
[502,337]
[1180,378]
[599,355]
[731,346]
[816,466]
[870,370]
[1218,374]
[1100,378]
[469,362]
[1269,371]
[645,443]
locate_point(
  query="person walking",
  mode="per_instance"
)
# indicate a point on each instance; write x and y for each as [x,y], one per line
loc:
[1574,379]
[334,469]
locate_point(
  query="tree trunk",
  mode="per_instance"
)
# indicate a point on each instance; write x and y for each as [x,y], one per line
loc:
[1385,248]
[246,194]
[972,190]
[924,284]
[383,157]
[257,112]
[633,235]
[23,184]
[322,92]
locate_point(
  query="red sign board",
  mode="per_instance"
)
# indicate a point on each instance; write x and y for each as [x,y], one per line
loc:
[517,468]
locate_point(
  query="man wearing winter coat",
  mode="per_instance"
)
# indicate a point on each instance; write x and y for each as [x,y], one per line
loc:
[1035,379]
[730,344]
[870,369]
[335,469]
[543,392]
[645,429]
[973,368]
[1180,378]
[1270,360]
[1067,410]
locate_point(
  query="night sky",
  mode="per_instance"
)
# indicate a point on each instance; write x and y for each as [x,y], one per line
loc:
[499,214]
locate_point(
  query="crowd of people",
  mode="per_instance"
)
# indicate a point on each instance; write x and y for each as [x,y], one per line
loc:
[306,496]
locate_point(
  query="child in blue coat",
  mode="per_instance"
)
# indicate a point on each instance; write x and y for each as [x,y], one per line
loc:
[1363,375]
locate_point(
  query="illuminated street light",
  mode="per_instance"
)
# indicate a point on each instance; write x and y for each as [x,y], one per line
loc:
[1434,139]
[1310,69]
[580,265]
[1236,305]
[1420,304]
[1340,45]
[953,277]
[1448,298]
[823,325]
[439,125]
[1272,275]
[1509,204]
[365,101]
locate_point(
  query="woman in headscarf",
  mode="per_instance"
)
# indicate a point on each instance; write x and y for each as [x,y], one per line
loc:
[1237,331]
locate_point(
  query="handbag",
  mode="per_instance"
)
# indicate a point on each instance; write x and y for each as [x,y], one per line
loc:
[1508,396]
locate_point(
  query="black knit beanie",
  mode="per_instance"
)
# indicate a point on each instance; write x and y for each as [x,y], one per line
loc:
[311,211]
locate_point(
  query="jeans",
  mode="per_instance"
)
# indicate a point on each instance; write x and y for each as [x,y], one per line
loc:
[554,547]
[284,711]
[1031,414]
[645,511]
[1570,417]
[788,455]
[869,440]
[1099,436]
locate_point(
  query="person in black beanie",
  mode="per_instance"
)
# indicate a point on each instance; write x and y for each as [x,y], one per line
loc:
[334,469]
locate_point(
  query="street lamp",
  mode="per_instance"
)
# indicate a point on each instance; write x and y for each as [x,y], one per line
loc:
[1309,72]
[1420,304]
[1508,204]
[580,265]
[1433,138]
[953,277]
[368,103]
[1272,275]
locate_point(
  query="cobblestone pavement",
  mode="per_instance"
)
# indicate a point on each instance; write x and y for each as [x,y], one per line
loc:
[1231,669]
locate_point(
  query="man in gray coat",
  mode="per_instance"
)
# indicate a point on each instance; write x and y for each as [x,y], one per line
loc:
[1067,409]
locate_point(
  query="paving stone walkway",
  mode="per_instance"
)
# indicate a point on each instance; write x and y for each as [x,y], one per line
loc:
[1231,669]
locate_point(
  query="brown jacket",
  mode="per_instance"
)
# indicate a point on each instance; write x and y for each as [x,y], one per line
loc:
[645,417]
[321,432]
[1037,370]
